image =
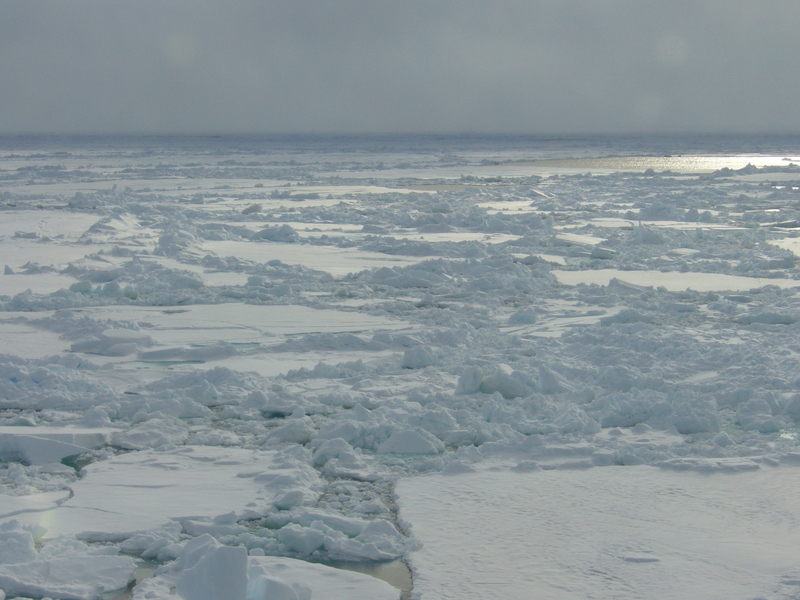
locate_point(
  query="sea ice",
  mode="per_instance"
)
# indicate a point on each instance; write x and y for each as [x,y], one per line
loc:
[612,532]
[143,490]
[207,570]
[68,571]
[267,341]
[36,450]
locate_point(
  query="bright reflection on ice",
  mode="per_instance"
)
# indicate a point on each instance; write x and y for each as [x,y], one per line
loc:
[336,261]
[680,164]
[676,282]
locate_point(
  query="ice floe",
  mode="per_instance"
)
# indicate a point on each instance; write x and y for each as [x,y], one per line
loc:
[623,532]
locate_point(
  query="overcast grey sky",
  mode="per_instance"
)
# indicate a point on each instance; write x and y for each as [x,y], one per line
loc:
[361,66]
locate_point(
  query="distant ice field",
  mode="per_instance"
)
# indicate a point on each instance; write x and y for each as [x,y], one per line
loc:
[678,164]
[473,366]
[675,282]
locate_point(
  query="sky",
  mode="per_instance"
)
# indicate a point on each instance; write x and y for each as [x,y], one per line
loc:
[399,66]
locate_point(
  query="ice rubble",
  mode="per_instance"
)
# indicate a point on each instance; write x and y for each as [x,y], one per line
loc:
[300,359]
[63,569]
[207,570]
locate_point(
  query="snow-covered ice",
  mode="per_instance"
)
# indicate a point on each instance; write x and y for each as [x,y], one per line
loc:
[672,281]
[515,364]
[140,491]
[617,532]
[208,570]
[66,568]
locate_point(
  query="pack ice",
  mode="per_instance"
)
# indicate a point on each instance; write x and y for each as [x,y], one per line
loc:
[491,366]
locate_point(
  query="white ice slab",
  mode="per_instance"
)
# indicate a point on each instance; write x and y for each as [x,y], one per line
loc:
[673,281]
[18,252]
[50,223]
[23,234]
[512,206]
[556,325]
[327,582]
[278,363]
[142,490]
[792,244]
[39,283]
[206,570]
[551,258]
[11,506]
[36,450]
[240,323]
[579,239]
[20,339]
[612,533]
[336,261]
[619,223]
[305,230]
[457,236]
[77,577]
[89,437]
[209,277]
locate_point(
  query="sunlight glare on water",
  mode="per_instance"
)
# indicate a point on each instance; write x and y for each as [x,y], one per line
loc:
[679,164]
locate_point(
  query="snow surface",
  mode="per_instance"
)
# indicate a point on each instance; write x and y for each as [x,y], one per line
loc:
[618,532]
[140,491]
[375,350]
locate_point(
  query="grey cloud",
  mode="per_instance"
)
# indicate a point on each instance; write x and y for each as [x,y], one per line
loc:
[380,66]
